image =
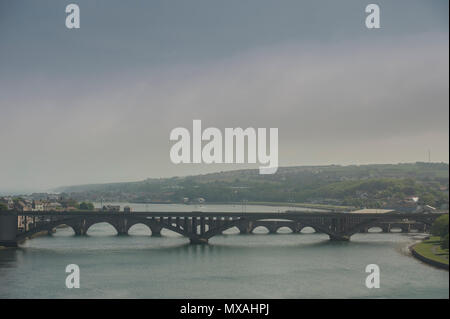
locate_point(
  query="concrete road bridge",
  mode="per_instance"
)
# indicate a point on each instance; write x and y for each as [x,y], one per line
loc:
[199,227]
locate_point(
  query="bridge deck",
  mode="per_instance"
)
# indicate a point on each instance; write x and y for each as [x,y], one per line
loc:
[269,215]
[200,226]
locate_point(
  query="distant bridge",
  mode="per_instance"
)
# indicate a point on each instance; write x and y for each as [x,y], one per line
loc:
[199,227]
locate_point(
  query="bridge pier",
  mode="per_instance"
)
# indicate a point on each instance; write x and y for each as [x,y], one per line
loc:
[78,229]
[198,241]
[245,227]
[8,230]
[245,230]
[78,232]
[9,244]
[78,226]
[296,229]
[121,227]
[156,231]
[339,237]
[421,227]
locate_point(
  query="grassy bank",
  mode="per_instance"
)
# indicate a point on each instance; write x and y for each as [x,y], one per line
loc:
[431,252]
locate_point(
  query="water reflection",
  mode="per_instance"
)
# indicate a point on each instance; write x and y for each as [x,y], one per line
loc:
[233,265]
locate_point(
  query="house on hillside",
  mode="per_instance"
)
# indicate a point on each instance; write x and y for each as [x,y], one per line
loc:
[425,209]
[114,208]
[37,206]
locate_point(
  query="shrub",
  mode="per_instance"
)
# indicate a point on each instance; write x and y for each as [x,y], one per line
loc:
[444,242]
[440,226]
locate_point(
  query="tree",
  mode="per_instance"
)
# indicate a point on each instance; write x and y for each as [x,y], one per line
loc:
[3,207]
[444,243]
[440,226]
[68,202]
[428,199]
[86,206]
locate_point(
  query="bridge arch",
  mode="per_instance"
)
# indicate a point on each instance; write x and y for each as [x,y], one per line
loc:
[374,229]
[166,225]
[306,229]
[139,225]
[284,230]
[155,226]
[73,223]
[64,227]
[247,226]
[89,224]
[233,230]
[370,224]
[260,229]
[238,223]
[337,226]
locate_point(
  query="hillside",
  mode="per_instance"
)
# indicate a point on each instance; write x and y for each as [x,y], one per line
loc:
[361,186]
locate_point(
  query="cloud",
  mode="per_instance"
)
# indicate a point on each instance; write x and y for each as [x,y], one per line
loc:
[385,101]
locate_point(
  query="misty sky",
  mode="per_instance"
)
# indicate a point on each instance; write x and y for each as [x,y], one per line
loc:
[97,104]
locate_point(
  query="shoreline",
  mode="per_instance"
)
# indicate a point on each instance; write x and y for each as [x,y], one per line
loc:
[40,234]
[426,260]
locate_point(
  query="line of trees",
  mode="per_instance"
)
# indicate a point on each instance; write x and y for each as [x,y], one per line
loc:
[86,206]
[440,228]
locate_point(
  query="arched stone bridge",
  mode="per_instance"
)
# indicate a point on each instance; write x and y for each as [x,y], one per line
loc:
[199,227]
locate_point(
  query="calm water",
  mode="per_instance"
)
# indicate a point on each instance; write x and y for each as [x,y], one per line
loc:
[284,265]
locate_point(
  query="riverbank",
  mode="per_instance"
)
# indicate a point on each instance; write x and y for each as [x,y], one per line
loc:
[430,252]
[40,234]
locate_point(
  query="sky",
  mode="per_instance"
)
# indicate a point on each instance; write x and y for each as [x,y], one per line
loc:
[97,104]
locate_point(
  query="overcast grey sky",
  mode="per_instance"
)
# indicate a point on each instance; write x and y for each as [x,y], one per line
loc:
[97,104]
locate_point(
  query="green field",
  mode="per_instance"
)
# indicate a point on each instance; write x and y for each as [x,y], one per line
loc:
[431,249]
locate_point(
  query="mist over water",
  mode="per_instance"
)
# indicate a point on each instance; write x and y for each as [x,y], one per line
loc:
[260,265]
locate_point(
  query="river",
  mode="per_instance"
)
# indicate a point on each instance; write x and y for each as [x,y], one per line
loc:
[260,265]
